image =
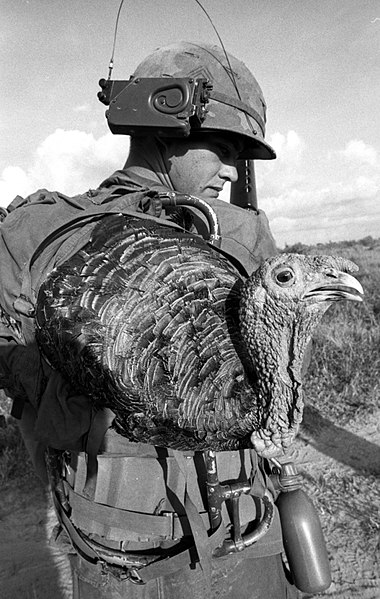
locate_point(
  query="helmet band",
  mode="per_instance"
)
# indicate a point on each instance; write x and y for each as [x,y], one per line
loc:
[236,103]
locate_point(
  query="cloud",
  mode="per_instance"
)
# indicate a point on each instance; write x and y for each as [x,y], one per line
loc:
[68,161]
[275,176]
[345,220]
[289,147]
[315,201]
[82,108]
[341,202]
[335,212]
[13,181]
[360,153]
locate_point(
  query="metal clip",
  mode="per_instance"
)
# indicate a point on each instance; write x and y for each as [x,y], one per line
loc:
[218,493]
[134,577]
[285,476]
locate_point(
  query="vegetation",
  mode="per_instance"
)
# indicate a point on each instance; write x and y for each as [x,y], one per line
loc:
[341,419]
[343,379]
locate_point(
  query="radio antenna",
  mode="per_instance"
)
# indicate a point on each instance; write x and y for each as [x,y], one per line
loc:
[232,75]
[110,66]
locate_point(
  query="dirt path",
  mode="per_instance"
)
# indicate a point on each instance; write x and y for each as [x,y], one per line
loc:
[29,567]
[342,468]
[342,471]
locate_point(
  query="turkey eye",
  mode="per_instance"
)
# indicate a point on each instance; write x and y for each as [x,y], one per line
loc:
[284,277]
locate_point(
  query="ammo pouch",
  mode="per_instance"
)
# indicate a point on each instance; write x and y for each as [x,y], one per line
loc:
[143,511]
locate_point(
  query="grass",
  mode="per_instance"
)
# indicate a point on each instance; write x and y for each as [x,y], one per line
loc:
[343,379]
[342,391]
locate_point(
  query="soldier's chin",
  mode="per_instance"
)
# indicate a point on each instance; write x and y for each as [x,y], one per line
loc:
[267,447]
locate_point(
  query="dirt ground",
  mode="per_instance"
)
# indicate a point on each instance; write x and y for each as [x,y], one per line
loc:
[341,467]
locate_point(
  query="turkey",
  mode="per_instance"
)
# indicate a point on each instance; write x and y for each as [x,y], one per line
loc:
[159,327]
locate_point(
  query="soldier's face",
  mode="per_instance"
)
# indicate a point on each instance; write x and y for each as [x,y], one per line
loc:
[202,165]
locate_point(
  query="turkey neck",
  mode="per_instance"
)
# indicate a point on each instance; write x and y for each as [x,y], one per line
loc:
[276,337]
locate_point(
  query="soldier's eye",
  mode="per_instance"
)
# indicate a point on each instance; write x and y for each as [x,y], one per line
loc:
[224,151]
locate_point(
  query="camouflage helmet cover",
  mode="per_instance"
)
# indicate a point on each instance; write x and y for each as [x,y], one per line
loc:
[236,102]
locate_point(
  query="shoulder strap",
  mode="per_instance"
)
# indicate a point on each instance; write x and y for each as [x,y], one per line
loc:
[25,303]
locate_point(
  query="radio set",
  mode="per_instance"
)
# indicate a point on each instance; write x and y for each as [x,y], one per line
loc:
[160,106]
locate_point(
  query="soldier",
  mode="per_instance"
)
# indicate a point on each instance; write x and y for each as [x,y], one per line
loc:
[137,517]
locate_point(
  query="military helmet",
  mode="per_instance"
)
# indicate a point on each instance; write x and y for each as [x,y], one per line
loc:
[236,102]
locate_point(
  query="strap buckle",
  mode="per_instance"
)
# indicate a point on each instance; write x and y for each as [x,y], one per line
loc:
[171,531]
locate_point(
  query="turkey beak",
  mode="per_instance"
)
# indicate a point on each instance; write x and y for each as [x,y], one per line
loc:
[340,285]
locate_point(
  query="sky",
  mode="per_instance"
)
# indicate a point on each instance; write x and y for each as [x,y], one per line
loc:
[317,61]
